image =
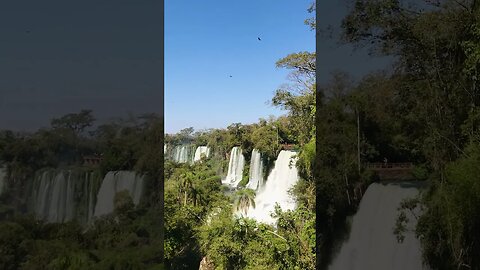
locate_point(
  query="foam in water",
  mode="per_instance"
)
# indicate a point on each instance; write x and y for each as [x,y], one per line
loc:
[115,182]
[372,244]
[256,171]
[282,178]
[235,167]
[201,150]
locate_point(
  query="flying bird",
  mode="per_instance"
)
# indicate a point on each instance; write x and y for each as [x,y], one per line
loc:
[230,76]
[259,39]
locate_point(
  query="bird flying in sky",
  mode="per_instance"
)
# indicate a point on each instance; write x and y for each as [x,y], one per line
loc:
[259,39]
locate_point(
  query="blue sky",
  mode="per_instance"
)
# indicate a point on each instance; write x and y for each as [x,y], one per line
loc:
[207,41]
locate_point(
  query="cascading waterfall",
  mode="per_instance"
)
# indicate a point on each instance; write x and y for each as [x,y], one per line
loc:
[115,182]
[201,150]
[53,196]
[235,167]
[182,153]
[64,195]
[282,178]
[372,244]
[91,188]
[256,171]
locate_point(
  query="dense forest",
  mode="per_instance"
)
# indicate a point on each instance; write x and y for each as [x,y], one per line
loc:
[423,109]
[131,237]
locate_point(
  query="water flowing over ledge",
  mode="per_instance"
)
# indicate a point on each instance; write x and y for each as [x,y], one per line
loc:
[281,179]
[235,167]
[372,244]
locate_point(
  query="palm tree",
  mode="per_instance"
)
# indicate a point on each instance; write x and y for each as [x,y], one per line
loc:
[244,198]
[186,185]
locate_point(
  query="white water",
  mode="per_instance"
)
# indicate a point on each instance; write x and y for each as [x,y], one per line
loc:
[115,182]
[256,171]
[201,150]
[282,178]
[182,153]
[372,244]
[3,178]
[89,189]
[235,167]
[53,196]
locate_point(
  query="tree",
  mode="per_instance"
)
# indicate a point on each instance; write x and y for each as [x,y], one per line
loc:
[244,198]
[186,185]
[299,97]
[76,122]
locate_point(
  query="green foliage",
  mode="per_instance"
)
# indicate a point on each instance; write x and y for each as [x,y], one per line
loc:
[244,244]
[75,122]
[454,205]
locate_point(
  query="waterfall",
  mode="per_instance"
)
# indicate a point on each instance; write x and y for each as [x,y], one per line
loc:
[115,182]
[3,178]
[235,167]
[53,196]
[63,195]
[282,178]
[256,171]
[91,189]
[182,153]
[372,244]
[201,150]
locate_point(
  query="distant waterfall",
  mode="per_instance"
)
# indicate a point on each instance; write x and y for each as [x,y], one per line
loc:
[235,167]
[182,154]
[53,196]
[282,178]
[115,182]
[63,195]
[3,179]
[256,171]
[201,150]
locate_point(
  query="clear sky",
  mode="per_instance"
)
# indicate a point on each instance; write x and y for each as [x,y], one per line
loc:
[206,42]
[59,57]
[335,56]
